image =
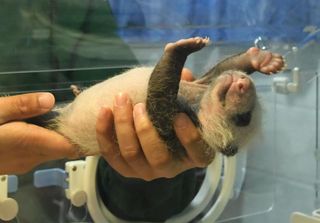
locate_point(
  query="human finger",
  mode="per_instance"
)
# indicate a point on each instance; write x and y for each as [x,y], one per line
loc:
[26,141]
[197,149]
[108,147]
[20,166]
[186,74]
[128,140]
[25,106]
[155,150]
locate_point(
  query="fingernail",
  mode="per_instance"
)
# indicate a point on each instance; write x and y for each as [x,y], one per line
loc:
[46,100]
[121,99]
[139,110]
[181,121]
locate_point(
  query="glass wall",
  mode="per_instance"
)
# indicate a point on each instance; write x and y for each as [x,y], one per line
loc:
[48,45]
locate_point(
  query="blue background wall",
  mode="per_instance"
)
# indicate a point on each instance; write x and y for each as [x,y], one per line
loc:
[222,20]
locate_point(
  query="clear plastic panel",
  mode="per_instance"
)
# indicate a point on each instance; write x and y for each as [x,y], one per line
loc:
[48,45]
[297,132]
[54,35]
[254,193]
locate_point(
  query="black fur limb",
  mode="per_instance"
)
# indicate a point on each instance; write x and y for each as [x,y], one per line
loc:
[162,100]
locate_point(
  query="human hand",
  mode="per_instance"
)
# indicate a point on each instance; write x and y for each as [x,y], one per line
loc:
[23,146]
[140,152]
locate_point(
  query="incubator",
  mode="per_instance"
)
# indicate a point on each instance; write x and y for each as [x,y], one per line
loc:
[50,45]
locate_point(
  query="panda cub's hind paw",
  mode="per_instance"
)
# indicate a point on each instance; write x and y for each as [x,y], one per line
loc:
[188,45]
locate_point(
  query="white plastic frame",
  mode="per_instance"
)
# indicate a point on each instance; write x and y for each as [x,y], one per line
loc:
[8,207]
[100,213]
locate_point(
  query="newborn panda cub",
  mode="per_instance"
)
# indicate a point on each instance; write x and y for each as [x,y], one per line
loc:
[222,103]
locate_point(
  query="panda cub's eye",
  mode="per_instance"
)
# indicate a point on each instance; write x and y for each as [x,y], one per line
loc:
[242,119]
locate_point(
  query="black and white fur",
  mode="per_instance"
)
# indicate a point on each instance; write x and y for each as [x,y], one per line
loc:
[222,104]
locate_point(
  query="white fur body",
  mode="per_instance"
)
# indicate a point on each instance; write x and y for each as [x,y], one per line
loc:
[224,99]
[77,120]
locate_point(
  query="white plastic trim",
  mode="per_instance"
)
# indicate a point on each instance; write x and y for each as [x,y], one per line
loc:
[76,192]
[205,194]
[230,164]
[282,84]
[100,213]
[97,209]
[298,217]
[8,207]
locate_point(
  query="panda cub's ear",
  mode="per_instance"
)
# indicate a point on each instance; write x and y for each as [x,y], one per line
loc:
[230,150]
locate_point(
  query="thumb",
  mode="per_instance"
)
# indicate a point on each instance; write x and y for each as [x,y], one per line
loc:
[25,106]
[187,75]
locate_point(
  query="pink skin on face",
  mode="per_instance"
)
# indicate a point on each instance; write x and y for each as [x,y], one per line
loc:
[232,92]
[240,86]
